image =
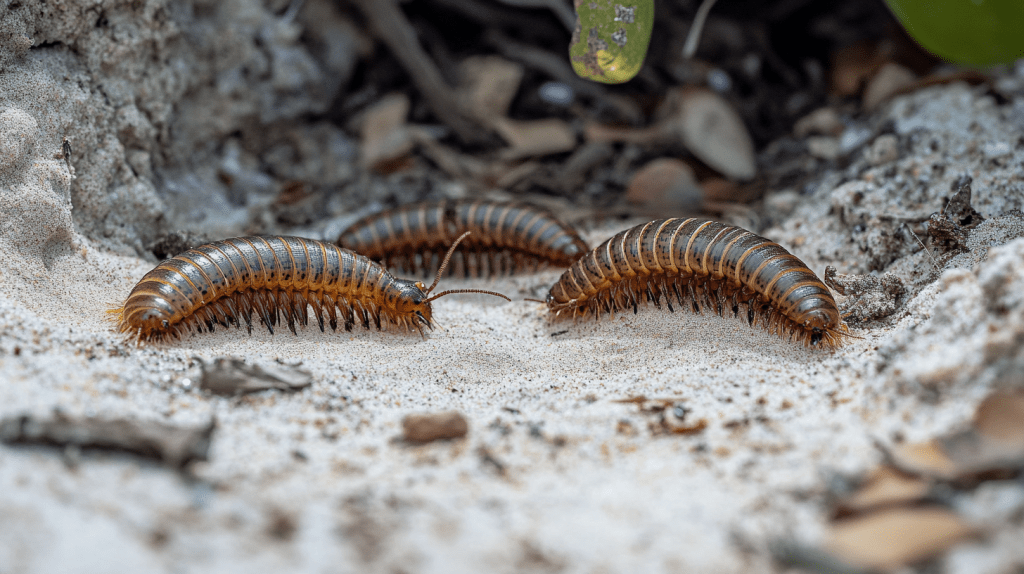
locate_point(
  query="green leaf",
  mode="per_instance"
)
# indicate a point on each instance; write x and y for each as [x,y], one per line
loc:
[611,38]
[974,32]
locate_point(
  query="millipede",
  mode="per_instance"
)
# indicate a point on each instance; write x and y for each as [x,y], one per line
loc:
[277,279]
[507,237]
[702,264]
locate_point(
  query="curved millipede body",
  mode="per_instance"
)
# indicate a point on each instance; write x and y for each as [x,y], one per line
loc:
[507,237]
[277,279]
[702,264]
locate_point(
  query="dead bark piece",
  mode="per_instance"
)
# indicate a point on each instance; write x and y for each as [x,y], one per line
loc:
[228,376]
[960,210]
[665,185]
[424,428]
[173,445]
[535,137]
[712,130]
[872,297]
[600,133]
[949,230]
[587,157]
[893,538]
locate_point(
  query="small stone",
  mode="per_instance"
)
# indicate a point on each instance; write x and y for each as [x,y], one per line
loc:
[782,203]
[665,183]
[823,121]
[424,428]
[887,82]
[823,147]
[884,149]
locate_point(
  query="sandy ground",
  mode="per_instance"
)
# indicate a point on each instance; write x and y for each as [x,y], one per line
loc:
[555,475]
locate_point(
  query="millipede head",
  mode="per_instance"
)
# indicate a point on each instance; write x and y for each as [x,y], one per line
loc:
[415,299]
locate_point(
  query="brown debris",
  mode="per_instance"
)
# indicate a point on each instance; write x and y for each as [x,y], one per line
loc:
[424,428]
[852,66]
[174,242]
[872,297]
[665,185]
[992,447]
[893,538]
[386,138]
[949,229]
[884,487]
[960,210]
[1000,417]
[489,84]
[923,459]
[229,376]
[173,445]
[390,24]
[535,137]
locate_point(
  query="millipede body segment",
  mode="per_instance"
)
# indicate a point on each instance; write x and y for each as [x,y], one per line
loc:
[702,264]
[277,280]
[506,237]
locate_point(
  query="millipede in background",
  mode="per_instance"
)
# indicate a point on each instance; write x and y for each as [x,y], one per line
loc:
[506,238]
[276,279]
[702,264]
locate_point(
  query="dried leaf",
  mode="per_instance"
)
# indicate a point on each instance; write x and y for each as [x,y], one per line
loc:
[489,84]
[1000,417]
[996,441]
[176,446]
[385,138]
[536,137]
[924,459]
[228,376]
[893,538]
[712,130]
[885,486]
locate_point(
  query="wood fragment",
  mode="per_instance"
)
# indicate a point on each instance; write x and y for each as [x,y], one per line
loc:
[393,28]
[175,446]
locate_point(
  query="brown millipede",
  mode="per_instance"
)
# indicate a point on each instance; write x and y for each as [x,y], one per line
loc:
[702,264]
[507,237]
[227,282]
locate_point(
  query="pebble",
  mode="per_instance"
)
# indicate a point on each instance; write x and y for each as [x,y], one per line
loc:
[423,428]
[890,79]
[884,149]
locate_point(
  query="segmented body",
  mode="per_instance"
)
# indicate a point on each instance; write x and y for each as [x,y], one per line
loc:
[506,238]
[274,278]
[702,264]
